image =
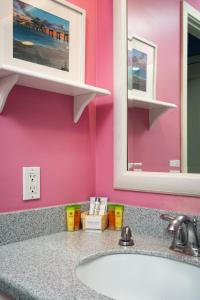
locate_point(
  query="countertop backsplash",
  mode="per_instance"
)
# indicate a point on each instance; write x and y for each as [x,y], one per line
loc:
[22,225]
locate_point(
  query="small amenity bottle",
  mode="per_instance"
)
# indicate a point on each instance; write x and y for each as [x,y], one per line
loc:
[77,217]
[111,216]
[70,212]
[119,209]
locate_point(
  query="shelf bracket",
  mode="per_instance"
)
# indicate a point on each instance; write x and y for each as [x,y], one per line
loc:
[155,113]
[80,102]
[6,85]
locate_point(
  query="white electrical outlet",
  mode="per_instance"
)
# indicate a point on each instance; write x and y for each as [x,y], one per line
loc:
[131,165]
[137,170]
[31,183]
[174,163]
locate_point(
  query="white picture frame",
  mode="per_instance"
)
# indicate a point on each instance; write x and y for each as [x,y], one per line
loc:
[142,61]
[62,58]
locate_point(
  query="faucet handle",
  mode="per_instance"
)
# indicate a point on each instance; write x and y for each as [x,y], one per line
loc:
[167,217]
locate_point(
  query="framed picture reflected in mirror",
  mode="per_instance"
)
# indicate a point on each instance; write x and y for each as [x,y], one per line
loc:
[141,69]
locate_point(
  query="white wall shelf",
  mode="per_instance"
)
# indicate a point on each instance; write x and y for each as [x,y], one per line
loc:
[156,107]
[83,94]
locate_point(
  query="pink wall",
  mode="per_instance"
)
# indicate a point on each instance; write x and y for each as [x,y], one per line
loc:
[104,143]
[145,146]
[36,129]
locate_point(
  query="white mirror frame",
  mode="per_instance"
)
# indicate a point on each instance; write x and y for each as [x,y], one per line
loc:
[191,19]
[156,182]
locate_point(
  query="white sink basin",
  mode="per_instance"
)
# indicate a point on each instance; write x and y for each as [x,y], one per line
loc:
[141,277]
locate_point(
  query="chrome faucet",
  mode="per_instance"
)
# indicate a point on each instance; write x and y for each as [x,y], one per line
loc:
[185,239]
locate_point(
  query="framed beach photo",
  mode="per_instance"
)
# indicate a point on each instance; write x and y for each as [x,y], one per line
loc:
[141,69]
[45,37]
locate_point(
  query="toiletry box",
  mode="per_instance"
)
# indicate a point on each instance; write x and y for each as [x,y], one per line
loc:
[90,222]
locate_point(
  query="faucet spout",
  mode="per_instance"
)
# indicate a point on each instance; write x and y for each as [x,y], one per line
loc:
[190,244]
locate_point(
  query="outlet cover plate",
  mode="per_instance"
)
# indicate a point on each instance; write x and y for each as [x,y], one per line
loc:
[31,183]
[174,163]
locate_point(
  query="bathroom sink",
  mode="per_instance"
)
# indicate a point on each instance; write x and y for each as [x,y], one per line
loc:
[140,277]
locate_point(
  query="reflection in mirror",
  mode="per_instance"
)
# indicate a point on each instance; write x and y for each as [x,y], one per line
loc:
[193,103]
[154,56]
[160,132]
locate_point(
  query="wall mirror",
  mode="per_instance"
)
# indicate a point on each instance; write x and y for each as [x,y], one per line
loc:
[156,113]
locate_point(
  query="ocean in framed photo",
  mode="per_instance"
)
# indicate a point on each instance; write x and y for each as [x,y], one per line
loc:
[40,37]
[137,70]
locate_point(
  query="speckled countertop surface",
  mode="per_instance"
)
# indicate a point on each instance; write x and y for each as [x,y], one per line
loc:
[44,268]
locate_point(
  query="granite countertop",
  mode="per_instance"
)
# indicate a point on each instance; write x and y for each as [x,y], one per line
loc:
[43,268]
